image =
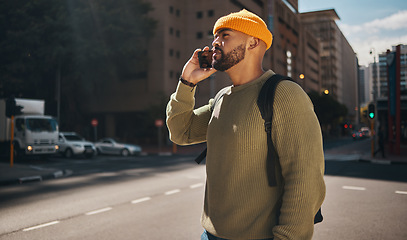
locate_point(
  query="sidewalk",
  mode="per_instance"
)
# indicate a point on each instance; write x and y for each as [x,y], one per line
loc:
[363,153]
[22,173]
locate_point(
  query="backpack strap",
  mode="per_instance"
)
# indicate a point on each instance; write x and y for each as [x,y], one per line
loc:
[265,103]
[201,156]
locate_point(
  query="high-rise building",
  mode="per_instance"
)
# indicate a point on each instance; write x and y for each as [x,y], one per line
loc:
[392,100]
[322,25]
[338,60]
[364,86]
[382,83]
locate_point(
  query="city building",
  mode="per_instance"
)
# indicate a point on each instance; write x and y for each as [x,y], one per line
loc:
[382,83]
[310,62]
[364,86]
[127,109]
[338,60]
[391,104]
[382,75]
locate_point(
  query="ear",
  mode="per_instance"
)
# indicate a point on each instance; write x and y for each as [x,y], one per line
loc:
[253,43]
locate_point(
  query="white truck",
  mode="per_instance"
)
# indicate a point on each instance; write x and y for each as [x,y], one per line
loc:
[34,132]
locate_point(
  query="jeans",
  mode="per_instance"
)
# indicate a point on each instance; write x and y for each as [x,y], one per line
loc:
[207,236]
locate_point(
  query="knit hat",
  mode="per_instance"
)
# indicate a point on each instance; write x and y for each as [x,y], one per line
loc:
[245,22]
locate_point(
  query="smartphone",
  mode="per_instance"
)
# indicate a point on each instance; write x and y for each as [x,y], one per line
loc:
[205,59]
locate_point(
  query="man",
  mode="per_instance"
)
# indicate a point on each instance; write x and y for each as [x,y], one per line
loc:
[380,142]
[239,203]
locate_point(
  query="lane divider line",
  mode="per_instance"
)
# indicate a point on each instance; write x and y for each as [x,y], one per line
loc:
[99,211]
[172,192]
[354,188]
[401,192]
[141,200]
[40,226]
[196,185]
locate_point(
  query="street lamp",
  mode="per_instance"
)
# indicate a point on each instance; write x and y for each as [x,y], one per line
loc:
[326,91]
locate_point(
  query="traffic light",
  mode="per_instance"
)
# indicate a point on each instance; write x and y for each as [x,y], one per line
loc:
[371,111]
[11,108]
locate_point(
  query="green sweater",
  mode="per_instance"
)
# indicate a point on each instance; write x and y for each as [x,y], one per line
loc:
[238,203]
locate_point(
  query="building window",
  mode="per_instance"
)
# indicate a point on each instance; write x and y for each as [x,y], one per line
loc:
[171,74]
[171,30]
[177,13]
[177,33]
[199,15]
[171,9]
[199,35]
[211,13]
[171,52]
[289,62]
[178,54]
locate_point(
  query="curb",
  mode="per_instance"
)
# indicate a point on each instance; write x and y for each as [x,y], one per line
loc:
[162,154]
[384,162]
[361,158]
[37,178]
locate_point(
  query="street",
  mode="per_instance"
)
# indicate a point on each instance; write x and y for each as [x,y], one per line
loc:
[161,197]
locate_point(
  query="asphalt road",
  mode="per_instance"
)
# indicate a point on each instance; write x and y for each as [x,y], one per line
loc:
[158,197]
[364,201]
[120,198]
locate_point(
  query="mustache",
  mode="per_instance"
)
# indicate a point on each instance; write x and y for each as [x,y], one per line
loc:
[219,49]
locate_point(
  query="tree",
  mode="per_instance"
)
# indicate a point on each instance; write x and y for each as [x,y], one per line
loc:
[86,43]
[330,112]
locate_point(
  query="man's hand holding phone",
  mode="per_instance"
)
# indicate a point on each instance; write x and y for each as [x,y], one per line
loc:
[199,66]
[205,59]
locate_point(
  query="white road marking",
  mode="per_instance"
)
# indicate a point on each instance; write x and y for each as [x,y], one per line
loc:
[99,211]
[141,200]
[172,192]
[196,185]
[401,192]
[40,226]
[133,202]
[354,188]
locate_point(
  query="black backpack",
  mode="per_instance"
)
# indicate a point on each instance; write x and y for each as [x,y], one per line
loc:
[265,103]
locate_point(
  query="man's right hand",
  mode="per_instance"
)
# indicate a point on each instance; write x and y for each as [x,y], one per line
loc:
[192,72]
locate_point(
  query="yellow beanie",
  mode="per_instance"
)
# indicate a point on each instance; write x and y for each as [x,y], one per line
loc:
[245,22]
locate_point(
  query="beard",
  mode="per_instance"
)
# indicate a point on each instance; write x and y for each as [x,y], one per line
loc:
[230,59]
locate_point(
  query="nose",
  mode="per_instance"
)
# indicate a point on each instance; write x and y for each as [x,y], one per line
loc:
[216,42]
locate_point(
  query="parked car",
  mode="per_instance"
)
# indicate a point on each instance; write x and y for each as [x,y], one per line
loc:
[72,144]
[110,146]
[357,135]
[364,132]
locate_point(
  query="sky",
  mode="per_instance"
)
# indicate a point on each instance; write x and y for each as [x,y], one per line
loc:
[366,24]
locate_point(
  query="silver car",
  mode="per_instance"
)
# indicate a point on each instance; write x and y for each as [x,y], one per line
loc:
[110,146]
[71,144]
